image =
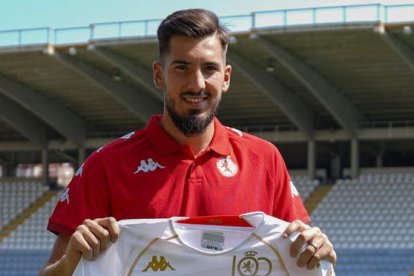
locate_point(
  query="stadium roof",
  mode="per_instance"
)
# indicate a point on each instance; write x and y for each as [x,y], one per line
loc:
[292,82]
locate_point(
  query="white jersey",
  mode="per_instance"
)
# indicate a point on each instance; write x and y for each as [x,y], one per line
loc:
[177,246]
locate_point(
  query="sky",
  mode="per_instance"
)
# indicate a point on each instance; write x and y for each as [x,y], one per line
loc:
[22,14]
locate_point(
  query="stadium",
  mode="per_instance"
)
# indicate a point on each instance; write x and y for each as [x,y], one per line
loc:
[331,87]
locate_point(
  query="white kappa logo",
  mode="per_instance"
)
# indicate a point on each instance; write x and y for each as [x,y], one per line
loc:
[79,171]
[227,167]
[128,135]
[293,189]
[149,165]
[238,132]
[64,196]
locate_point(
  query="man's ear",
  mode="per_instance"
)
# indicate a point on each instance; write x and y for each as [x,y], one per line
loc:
[157,74]
[227,77]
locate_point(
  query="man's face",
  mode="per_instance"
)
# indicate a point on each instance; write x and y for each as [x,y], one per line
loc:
[193,76]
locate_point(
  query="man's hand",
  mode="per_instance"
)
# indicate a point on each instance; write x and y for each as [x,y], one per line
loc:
[92,237]
[89,240]
[311,244]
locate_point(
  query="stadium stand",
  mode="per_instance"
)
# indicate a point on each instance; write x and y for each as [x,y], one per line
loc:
[362,217]
[370,222]
[305,186]
[16,196]
[25,250]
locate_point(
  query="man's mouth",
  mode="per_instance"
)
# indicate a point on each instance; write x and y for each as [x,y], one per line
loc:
[194,99]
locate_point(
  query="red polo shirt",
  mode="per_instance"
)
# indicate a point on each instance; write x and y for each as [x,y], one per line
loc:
[147,174]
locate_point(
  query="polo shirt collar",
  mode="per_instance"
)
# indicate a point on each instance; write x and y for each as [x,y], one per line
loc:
[220,142]
[161,141]
[164,144]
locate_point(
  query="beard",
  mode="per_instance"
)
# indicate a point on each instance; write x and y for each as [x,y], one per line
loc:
[192,123]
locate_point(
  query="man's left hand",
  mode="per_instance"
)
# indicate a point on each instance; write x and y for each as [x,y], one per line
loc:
[311,245]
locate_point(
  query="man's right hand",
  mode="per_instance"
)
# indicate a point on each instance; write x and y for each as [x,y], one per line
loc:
[92,237]
[89,240]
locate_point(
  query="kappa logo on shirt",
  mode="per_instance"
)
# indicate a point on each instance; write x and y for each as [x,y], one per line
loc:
[227,167]
[156,264]
[79,171]
[149,165]
[238,132]
[64,197]
[293,189]
[128,135]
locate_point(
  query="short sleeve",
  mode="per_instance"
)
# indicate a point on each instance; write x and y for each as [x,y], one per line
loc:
[288,204]
[86,197]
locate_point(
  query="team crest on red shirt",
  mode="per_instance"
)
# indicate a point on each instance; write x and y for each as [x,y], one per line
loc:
[227,167]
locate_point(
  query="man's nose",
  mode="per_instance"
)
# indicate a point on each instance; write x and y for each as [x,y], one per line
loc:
[196,81]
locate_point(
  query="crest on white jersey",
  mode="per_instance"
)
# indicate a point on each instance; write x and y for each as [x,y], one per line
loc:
[251,265]
[148,166]
[64,196]
[293,189]
[227,167]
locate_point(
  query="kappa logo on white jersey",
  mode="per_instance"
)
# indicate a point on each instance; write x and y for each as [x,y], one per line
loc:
[227,167]
[64,196]
[293,189]
[156,264]
[149,165]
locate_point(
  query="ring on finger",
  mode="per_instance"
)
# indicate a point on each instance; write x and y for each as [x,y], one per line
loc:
[315,246]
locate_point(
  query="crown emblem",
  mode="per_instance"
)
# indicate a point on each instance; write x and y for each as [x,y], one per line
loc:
[250,253]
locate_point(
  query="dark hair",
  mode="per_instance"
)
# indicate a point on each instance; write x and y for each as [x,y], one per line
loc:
[194,23]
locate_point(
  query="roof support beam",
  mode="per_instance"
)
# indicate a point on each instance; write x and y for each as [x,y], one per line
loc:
[297,110]
[138,73]
[406,54]
[347,115]
[58,117]
[374,134]
[23,121]
[140,104]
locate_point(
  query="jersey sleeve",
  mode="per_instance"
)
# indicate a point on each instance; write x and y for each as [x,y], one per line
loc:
[288,203]
[86,197]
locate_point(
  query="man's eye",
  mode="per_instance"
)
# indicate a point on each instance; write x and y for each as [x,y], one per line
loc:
[211,68]
[181,67]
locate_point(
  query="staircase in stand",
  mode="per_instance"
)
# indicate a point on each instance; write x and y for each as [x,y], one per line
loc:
[5,231]
[316,197]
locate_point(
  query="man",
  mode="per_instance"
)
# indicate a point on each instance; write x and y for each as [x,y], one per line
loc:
[183,163]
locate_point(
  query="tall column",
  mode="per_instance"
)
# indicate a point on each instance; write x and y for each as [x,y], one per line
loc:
[81,156]
[354,157]
[9,169]
[311,159]
[45,166]
[378,160]
[335,166]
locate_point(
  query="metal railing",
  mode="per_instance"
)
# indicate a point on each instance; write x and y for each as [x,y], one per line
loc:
[387,124]
[236,23]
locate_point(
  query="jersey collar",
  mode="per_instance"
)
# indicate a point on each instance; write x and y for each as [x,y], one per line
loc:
[164,144]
